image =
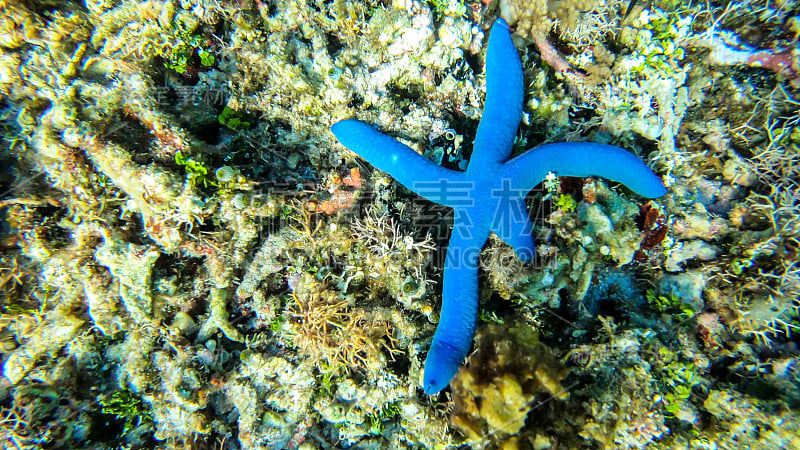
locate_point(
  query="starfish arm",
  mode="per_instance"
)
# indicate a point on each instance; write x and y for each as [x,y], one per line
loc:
[516,229]
[409,168]
[503,105]
[584,159]
[459,313]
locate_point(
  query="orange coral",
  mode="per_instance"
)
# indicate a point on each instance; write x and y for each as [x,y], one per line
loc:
[341,198]
[354,179]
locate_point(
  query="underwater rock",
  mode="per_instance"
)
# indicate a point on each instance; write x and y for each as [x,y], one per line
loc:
[132,265]
[49,337]
[685,287]
[687,250]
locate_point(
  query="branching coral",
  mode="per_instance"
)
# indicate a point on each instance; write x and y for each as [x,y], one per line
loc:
[726,48]
[332,333]
[579,21]
[767,304]
[394,259]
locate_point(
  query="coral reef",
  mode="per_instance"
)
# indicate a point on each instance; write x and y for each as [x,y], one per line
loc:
[189,259]
[579,21]
[332,335]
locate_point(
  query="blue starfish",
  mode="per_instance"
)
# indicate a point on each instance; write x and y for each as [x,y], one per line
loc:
[490,195]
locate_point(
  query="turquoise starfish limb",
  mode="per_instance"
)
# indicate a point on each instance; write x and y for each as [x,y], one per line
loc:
[502,108]
[408,167]
[489,197]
